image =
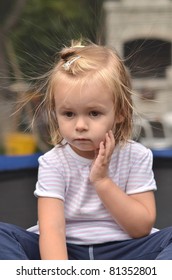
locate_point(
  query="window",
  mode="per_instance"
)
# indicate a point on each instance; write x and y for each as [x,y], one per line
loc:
[147,57]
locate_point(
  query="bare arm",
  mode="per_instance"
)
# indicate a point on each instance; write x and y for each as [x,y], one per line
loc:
[134,213]
[52,229]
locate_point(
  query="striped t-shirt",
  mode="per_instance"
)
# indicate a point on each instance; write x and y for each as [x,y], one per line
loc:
[63,174]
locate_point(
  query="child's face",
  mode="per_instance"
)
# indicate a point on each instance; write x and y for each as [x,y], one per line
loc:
[84,116]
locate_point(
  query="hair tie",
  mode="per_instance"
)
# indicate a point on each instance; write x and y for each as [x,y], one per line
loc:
[68,63]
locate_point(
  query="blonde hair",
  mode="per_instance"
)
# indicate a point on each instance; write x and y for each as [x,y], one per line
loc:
[81,63]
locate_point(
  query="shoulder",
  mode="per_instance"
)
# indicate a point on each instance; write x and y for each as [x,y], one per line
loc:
[52,157]
[133,151]
[135,148]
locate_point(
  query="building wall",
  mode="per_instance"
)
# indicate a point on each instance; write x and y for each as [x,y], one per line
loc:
[130,20]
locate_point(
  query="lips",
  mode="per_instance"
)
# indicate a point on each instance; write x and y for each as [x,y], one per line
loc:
[82,139]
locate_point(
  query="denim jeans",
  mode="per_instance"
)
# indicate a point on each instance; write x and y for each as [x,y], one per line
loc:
[17,243]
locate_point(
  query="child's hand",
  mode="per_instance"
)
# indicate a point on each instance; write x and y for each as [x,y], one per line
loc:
[99,169]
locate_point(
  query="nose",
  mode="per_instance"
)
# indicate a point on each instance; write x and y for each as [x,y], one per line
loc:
[81,124]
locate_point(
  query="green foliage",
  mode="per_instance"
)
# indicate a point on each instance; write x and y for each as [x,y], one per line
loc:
[47,25]
[5,7]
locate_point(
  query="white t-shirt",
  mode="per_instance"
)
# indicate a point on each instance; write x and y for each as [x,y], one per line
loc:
[63,174]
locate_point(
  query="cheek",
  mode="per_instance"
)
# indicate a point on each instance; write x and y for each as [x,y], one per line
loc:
[111,124]
[62,127]
[103,128]
[99,135]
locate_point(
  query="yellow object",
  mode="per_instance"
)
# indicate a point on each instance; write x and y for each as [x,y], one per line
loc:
[20,144]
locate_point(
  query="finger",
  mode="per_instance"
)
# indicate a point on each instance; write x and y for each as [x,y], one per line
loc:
[110,143]
[107,143]
[102,149]
[111,135]
[101,155]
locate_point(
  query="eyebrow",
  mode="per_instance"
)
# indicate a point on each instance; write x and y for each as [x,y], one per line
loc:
[89,107]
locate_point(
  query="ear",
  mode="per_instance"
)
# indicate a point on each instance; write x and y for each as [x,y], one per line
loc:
[119,119]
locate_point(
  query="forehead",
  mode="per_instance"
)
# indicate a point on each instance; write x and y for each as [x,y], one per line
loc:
[80,93]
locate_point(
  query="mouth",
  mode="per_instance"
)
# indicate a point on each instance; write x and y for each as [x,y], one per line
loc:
[82,140]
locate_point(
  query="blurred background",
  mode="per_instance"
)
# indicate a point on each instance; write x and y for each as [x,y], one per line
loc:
[31,34]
